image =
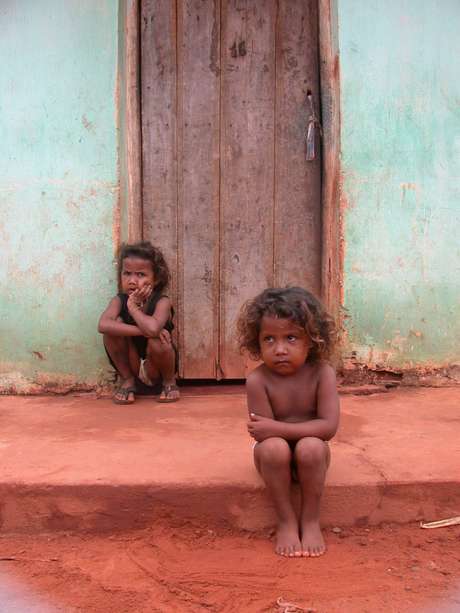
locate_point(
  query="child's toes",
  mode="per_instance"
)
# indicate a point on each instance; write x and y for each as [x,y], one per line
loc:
[295,551]
[124,394]
[170,393]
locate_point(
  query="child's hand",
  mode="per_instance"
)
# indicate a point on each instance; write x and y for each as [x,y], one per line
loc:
[138,298]
[261,428]
[143,294]
[134,302]
[165,337]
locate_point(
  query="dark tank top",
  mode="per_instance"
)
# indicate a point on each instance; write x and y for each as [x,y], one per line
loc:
[140,342]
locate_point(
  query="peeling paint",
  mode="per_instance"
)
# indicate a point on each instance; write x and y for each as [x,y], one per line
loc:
[356,374]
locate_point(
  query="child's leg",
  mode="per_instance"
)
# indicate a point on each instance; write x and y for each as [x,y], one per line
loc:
[312,460]
[126,362]
[273,460]
[161,363]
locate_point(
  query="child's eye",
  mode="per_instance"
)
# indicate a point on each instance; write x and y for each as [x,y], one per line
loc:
[292,338]
[141,274]
[268,339]
[125,273]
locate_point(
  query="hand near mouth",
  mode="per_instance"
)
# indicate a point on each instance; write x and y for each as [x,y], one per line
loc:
[138,298]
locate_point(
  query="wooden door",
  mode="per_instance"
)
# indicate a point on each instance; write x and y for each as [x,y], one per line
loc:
[227,191]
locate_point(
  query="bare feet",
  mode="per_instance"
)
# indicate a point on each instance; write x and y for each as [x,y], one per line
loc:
[312,540]
[170,392]
[287,540]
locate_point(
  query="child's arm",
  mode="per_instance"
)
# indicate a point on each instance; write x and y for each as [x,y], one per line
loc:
[150,325]
[258,402]
[109,322]
[324,426]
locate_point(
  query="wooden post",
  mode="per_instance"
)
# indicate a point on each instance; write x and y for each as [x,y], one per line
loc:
[332,260]
[133,122]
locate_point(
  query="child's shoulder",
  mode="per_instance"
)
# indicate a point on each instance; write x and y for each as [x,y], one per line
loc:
[116,300]
[325,368]
[316,373]
[325,373]
[257,377]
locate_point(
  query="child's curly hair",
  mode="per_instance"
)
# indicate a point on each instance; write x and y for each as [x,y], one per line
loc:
[296,304]
[146,251]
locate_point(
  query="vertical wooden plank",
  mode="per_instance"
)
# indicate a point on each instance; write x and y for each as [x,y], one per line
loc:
[133,123]
[198,184]
[332,232]
[297,182]
[247,162]
[159,170]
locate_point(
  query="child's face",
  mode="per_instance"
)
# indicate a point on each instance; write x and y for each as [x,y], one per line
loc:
[283,345]
[136,273]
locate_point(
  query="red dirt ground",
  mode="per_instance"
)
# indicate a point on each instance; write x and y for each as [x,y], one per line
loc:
[190,569]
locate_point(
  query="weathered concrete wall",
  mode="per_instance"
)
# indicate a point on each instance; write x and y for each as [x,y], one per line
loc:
[59,181]
[400,163]
[58,188]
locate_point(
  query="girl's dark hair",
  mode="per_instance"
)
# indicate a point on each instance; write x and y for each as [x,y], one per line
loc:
[296,304]
[146,251]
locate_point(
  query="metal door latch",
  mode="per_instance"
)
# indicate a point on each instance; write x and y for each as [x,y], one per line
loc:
[310,136]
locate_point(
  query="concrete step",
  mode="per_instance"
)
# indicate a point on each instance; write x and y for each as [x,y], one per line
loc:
[82,464]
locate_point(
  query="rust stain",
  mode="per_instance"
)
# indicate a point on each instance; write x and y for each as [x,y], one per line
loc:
[38,354]
[88,125]
[412,186]
[336,68]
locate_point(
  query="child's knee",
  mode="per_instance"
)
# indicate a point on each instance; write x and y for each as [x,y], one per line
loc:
[157,349]
[274,451]
[310,451]
[110,340]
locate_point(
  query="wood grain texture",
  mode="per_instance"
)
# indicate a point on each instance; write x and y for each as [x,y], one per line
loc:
[133,123]
[198,185]
[159,112]
[297,253]
[332,234]
[227,192]
[247,163]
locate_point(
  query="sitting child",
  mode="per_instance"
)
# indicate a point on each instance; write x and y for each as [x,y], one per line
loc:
[293,407]
[137,325]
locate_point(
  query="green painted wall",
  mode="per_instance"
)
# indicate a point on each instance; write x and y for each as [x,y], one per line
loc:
[58,187]
[400,157]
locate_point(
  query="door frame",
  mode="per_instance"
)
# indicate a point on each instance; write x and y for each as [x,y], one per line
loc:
[129,117]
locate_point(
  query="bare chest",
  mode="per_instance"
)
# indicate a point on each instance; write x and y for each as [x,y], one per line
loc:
[294,398]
